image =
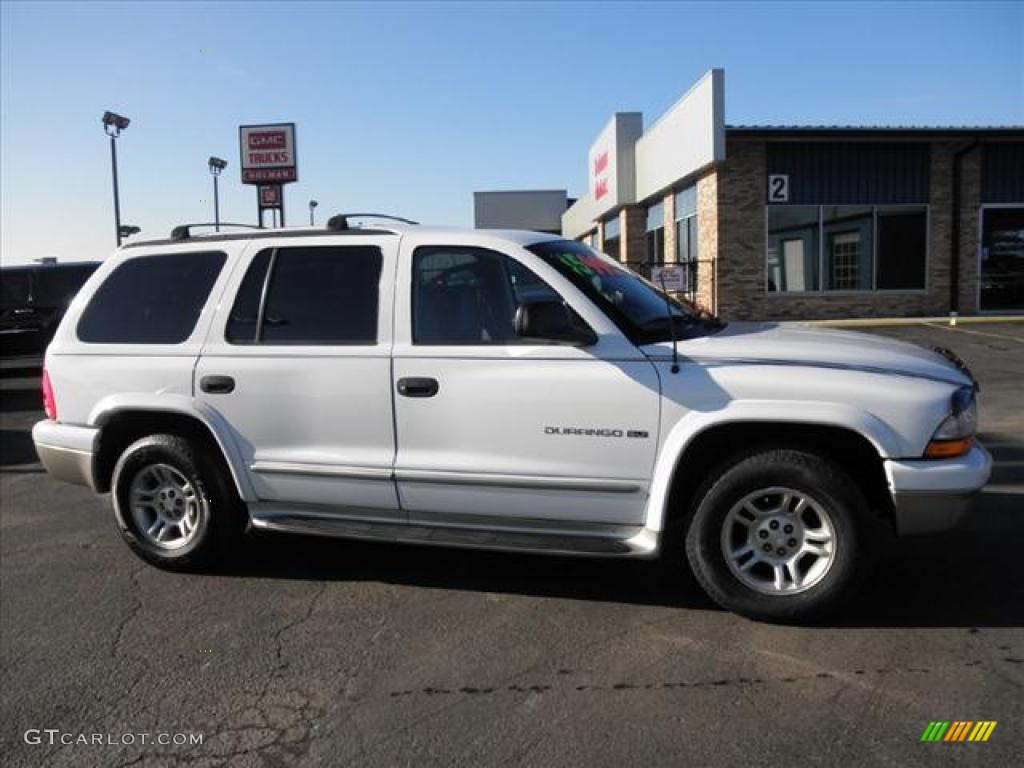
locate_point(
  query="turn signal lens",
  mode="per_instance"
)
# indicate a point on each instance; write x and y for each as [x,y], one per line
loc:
[948,449]
[49,401]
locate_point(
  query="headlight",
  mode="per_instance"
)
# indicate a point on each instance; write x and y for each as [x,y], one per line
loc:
[953,437]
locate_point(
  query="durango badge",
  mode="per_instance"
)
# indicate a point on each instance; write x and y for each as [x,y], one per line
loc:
[592,432]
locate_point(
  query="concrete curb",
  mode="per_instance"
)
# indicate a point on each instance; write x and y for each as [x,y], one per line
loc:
[881,322]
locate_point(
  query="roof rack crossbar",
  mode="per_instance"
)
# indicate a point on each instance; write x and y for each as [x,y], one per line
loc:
[183,231]
[339,221]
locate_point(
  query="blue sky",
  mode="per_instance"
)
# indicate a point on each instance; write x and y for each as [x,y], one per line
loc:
[410,107]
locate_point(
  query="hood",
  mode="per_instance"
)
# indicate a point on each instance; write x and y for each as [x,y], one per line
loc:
[802,345]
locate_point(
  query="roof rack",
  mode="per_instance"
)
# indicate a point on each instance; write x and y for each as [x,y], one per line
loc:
[183,231]
[339,222]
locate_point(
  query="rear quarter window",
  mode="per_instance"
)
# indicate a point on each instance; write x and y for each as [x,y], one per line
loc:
[151,299]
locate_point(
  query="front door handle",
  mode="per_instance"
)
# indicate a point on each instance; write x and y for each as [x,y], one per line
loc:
[217,385]
[418,387]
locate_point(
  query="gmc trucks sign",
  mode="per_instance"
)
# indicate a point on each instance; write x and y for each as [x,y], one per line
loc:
[268,153]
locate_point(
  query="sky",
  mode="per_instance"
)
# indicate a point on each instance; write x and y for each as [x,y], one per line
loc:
[408,108]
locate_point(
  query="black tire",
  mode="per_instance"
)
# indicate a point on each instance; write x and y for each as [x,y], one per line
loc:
[806,473]
[220,514]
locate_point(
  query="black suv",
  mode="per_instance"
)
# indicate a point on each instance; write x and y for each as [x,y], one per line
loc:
[33,299]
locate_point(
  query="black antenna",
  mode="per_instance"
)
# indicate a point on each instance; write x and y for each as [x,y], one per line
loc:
[671,323]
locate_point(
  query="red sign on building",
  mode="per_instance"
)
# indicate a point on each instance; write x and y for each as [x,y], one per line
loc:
[600,175]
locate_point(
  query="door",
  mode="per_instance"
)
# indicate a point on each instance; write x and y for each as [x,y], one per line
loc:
[498,429]
[1001,282]
[297,364]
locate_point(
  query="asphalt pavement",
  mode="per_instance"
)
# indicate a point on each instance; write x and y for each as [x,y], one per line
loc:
[316,652]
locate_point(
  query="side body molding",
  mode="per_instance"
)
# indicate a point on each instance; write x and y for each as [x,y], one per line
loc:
[183,405]
[686,429]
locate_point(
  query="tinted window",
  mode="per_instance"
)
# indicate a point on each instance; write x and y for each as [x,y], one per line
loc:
[151,299]
[461,296]
[471,295]
[325,295]
[245,313]
[902,245]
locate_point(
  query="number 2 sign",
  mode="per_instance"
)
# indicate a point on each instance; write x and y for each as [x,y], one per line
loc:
[778,188]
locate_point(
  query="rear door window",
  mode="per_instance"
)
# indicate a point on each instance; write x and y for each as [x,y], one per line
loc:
[151,299]
[317,295]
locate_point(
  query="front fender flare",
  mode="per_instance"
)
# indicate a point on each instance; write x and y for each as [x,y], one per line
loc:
[685,431]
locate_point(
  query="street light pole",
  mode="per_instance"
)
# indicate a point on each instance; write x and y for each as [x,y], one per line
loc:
[113,124]
[216,166]
[312,206]
[117,201]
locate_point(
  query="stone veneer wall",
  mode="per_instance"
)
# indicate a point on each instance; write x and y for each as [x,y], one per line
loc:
[633,224]
[669,205]
[707,241]
[970,229]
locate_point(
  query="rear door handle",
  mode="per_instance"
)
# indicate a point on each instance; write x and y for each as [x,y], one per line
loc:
[217,385]
[418,387]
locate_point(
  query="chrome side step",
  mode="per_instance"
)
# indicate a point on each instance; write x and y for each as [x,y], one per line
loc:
[535,536]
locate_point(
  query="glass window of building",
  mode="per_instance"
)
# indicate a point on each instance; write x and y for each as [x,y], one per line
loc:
[846,247]
[654,239]
[612,238]
[848,235]
[902,246]
[792,254]
[686,234]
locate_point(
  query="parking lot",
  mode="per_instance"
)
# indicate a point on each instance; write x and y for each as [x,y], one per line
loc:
[318,652]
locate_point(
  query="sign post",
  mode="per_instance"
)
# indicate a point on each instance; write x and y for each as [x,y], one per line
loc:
[270,198]
[268,160]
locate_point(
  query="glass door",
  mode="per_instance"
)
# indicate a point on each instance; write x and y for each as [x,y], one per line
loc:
[1002,259]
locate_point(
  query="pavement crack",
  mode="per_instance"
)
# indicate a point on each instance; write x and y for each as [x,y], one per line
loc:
[279,721]
[133,611]
[279,634]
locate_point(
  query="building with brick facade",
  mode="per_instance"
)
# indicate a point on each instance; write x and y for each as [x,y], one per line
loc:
[765,222]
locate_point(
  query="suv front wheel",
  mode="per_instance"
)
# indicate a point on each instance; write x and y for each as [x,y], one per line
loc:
[174,506]
[781,535]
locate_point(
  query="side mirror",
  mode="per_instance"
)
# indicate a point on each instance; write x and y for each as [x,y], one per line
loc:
[552,321]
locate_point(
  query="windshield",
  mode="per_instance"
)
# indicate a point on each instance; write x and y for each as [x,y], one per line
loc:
[639,308]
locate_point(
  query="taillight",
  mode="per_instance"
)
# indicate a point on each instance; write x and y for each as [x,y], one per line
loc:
[49,401]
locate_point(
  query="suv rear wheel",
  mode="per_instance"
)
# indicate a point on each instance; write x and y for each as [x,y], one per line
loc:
[174,505]
[781,535]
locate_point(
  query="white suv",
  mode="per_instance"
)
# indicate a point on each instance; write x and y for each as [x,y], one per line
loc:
[493,389]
